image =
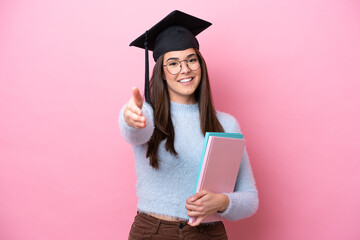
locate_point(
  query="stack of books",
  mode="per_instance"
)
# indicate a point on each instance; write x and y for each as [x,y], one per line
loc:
[219,165]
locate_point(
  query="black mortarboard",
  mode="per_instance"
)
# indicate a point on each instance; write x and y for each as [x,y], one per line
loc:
[175,32]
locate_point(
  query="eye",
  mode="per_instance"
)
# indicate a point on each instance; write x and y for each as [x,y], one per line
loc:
[172,64]
[193,60]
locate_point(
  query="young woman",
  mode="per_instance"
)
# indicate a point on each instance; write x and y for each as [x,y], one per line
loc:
[167,134]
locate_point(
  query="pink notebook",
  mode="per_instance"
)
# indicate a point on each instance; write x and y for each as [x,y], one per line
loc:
[220,167]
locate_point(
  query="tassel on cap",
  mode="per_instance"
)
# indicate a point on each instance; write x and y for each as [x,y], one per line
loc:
[147,81]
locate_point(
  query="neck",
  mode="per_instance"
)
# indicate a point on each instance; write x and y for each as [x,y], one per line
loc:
[183,99]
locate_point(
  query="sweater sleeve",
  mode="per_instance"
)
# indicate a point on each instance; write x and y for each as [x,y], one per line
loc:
[244,200]
[136,136]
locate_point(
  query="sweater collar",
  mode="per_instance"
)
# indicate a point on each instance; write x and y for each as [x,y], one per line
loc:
[184,108]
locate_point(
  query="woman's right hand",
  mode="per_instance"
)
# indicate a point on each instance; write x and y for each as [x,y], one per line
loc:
[132,112]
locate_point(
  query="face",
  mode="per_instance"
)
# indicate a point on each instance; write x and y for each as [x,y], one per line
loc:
[182,85]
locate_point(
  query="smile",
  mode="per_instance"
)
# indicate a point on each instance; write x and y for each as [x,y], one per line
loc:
[186,80]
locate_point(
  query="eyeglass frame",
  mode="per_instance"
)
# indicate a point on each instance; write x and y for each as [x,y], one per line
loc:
[187,64]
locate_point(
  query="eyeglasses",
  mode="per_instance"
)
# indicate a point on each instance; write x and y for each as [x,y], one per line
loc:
[174,66]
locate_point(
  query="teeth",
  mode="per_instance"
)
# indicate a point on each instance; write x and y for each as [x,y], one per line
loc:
[185,80]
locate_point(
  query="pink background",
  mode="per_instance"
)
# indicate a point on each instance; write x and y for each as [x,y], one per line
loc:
[288,70]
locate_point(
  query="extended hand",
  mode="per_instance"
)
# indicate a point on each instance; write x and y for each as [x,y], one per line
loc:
[204,204]
[132,112]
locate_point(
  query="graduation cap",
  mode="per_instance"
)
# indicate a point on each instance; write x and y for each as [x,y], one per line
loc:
[175,32]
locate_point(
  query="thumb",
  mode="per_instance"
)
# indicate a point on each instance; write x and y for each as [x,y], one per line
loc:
[138,99]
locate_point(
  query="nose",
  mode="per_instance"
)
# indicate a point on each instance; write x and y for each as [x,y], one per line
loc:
[184,67]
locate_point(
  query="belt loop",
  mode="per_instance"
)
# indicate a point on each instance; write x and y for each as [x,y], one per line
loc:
[157,226]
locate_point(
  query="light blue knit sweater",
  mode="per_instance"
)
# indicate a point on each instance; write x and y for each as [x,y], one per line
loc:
[164,191]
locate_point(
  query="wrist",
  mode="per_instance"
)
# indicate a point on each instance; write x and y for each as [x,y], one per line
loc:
[224,203]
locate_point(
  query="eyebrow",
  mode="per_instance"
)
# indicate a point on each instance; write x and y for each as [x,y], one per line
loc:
[188,56]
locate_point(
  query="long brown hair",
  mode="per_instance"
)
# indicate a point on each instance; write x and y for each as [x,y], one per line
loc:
[160,99]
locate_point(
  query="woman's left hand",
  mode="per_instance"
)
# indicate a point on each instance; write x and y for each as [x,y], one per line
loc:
[205,203]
